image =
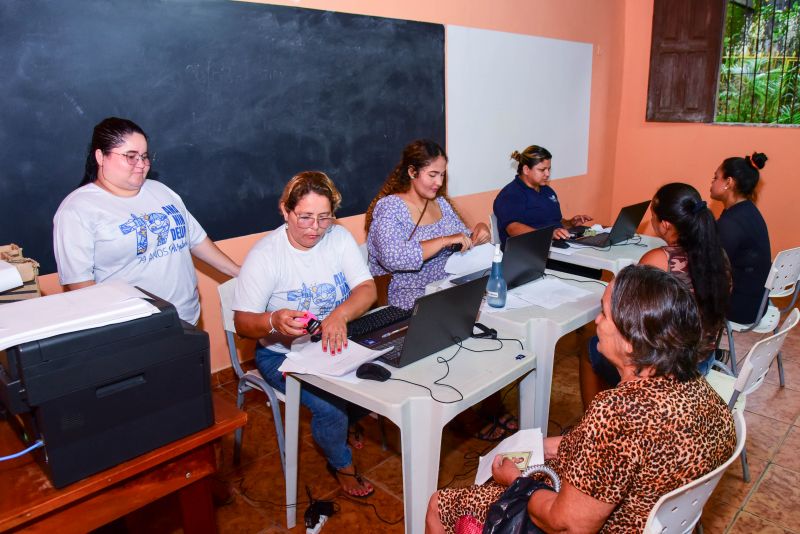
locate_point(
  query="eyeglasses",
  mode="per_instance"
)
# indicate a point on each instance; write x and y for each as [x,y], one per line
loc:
[134,157]
[307,221]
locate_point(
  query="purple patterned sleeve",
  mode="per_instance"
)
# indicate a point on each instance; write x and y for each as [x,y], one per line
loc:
[388,237]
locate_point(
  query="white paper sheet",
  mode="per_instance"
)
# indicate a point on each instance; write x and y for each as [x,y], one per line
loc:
[9,276]
[549,293]
[529,440]
[565,251]
[474,259]
[72,311]
[309,357]
[512,303]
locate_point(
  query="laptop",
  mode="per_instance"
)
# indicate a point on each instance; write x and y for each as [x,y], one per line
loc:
[437,321]
[624,227]
[524,259]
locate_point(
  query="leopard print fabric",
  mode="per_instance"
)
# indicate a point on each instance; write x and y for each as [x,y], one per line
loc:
[636,442]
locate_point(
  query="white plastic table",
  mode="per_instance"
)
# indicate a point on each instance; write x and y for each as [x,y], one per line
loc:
[613,258]
[476,375]
[540,329]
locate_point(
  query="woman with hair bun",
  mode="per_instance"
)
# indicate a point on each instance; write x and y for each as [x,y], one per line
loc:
[743,233]
[412,227]
[528,202]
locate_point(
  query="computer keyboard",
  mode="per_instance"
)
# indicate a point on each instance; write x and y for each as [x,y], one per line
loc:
[393,356]
[376,320]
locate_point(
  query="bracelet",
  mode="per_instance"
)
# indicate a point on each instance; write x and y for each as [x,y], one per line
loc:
[273,330]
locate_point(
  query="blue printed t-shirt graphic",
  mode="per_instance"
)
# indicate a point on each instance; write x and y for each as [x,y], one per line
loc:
[323,295]
[157,224]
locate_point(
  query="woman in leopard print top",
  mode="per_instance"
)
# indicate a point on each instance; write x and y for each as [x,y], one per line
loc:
[660,428]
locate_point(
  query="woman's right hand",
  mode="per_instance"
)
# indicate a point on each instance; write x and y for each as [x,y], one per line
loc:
[457,239]
[287,322]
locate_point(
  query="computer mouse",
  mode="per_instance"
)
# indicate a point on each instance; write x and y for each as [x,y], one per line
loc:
[560,243]
[373,371]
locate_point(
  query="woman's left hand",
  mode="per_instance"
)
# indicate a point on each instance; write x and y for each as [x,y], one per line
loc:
[504,471]
[334,333]
[481,234]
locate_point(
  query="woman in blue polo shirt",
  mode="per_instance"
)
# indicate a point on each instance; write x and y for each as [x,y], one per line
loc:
[528,202]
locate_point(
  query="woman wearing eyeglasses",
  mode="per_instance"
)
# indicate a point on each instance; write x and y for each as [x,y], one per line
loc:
[118,225]
[308,265]
[412,226]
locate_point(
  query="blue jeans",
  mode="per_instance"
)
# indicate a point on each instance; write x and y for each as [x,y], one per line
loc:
[603,368]
[329,419]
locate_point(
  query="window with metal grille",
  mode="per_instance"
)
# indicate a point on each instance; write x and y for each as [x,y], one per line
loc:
[759,77]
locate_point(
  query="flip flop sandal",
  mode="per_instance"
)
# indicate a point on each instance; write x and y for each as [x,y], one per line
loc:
[509,422]
[355,437]
[494,431]
[336,474]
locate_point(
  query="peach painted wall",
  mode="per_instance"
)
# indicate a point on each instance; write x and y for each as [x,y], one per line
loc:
[651,154]
[598,23]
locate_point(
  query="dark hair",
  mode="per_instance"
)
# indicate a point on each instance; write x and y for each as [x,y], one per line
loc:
[681,205]
[744,172]
[530,157]
[108,134]
[307,182]
[417,154]
[658,315]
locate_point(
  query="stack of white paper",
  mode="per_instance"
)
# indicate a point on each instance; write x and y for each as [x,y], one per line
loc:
[473,260]
[550,293]
[90,307]
[307,358]
[526,444]
[9,276]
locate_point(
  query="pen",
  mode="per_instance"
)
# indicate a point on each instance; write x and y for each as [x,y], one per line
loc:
[393,332]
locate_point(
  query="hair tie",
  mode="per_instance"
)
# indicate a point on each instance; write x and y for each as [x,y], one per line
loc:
[699,206]
[751,162]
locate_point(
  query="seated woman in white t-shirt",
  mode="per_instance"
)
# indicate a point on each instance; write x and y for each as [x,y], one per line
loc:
[308,265]
[120,226]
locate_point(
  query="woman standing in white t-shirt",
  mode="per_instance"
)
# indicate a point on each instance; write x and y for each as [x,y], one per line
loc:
[118,225]
[308,265]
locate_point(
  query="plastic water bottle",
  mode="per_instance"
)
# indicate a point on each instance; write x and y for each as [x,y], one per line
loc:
[496,287]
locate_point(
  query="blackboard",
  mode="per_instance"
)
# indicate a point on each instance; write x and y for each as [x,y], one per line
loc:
[235,97]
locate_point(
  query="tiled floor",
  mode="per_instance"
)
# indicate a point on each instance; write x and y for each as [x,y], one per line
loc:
[769,503]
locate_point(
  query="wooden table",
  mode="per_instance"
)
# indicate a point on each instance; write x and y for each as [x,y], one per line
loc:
[29,503]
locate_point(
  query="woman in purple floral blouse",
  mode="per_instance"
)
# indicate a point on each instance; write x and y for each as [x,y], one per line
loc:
[412,228]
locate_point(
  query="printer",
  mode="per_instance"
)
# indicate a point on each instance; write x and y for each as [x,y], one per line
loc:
[101,396]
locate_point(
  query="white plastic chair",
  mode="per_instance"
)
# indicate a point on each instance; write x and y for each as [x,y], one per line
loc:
[733,390]
[249,380]
[495,232]
[781,281]
[679,511]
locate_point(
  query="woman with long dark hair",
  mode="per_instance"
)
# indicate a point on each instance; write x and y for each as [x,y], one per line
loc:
[693,254]
[118,225]
[743,233]
[412,226]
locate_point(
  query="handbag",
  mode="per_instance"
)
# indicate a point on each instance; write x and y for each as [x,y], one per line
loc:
[509,513]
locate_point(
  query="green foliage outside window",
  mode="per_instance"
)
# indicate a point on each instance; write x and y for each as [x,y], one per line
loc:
[759,72]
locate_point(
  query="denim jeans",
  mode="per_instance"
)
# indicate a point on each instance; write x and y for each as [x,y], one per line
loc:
[329,418]
[602,367]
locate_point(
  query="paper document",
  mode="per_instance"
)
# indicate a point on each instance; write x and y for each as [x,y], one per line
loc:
[309,356]
[512,303]
[474,259]
[72,311]
[9,276]
[518,446]
[549,293]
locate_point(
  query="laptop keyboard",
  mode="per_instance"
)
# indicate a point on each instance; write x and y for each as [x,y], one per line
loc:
[599,240]
[376,320]
[393,356]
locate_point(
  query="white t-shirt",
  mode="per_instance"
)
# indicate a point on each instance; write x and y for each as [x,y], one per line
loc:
[276,275]
[143,240]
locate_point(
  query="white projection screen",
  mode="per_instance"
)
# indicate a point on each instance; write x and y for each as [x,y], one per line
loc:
[506,91]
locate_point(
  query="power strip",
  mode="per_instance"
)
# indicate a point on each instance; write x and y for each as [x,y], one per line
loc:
[318,527]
